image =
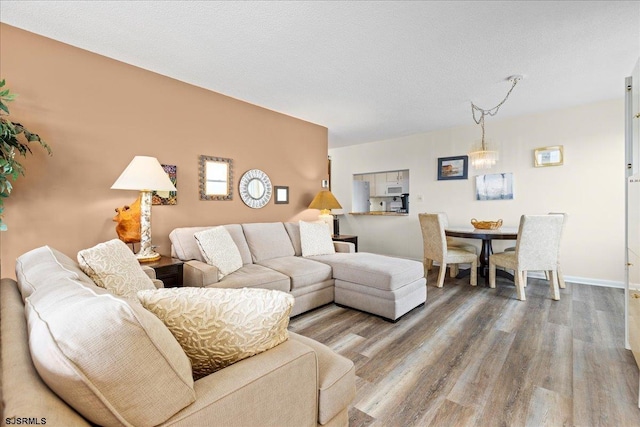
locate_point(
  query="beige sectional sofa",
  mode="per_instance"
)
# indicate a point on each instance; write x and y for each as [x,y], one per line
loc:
[272,258]
[75,355]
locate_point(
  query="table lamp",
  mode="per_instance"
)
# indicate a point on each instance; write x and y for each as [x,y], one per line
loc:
[144,174]
[325,201]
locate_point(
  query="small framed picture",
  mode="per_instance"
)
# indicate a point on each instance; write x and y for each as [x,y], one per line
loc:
[281,195]
[453,167]
[548,156]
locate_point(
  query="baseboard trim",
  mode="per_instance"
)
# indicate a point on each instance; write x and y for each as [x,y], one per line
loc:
[570,279]
[582,280]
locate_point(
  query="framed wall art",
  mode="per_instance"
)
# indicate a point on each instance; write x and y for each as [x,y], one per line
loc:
[215,178]
[548,156]
[167,197]
[496,186]
[281,194]
[456,167]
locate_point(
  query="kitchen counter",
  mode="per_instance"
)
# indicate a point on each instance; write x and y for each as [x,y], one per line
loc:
[380,213]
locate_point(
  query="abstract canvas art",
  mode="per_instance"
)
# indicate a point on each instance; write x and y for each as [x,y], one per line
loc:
[497,186]
[167,197]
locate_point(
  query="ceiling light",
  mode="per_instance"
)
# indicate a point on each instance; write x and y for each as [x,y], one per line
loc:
[482,157]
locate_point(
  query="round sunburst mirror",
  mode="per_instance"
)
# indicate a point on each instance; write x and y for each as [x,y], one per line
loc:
[255,188]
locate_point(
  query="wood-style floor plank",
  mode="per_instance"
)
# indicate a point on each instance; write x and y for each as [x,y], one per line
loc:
[475,356]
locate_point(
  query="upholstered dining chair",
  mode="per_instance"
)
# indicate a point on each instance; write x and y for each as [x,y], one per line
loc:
[435,248]
[537,249]
[546,273]
[451,243]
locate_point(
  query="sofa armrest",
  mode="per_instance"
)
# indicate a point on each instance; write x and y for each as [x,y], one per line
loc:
[152,275]
[281,382]
[199,274]
[336,379]
[149,272]
[344,247]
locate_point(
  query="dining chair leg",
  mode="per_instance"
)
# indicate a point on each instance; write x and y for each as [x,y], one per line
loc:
[428,264]
[453,270]
[519,281]
[492,275]
[474,273]
[441,274]
[555,292]
[561,279]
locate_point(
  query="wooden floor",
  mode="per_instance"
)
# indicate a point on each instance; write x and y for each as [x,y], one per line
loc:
[479,357]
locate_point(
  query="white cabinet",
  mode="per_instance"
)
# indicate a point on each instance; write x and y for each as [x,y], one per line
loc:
[381,184]
[633,264]
[633,122]
[385,184]
[632,154]
[394,177]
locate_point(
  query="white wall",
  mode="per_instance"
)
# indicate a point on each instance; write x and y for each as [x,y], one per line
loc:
[589,186]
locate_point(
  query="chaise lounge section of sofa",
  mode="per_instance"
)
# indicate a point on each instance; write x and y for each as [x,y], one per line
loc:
[272,258]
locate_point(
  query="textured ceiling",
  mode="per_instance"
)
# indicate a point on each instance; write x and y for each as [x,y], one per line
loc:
[367,70]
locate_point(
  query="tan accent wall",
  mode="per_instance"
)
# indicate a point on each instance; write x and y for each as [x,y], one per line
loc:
[98,113]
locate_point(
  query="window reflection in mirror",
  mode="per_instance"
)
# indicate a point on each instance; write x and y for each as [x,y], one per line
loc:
[215,174]
[255,188]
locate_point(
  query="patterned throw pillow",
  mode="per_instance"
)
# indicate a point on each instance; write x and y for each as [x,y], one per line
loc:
[217,327]
[219,249]
[315,239]
[112,265]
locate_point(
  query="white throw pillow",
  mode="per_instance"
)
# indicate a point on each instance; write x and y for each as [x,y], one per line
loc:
[217,327]
[315,239]
[112,265]
[219,249]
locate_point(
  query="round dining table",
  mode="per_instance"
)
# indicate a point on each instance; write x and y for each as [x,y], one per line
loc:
[502,233]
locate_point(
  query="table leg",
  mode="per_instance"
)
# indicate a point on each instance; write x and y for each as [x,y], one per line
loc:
[483,267]
[483,264]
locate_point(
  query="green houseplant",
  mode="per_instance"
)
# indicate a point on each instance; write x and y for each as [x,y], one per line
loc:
[14,139]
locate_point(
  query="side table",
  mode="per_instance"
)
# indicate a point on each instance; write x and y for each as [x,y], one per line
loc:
[169,270]
[346,238]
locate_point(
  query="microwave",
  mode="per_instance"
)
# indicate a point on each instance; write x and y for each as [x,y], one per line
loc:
[394,189]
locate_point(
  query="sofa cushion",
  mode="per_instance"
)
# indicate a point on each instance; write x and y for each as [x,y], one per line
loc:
[293,230]
[185,247]
[256,276]
[315,239]
[218,327]
[112,361]
[302,272]
[114,267]
[43,266]
[219,249]
[373,270]
[268,240]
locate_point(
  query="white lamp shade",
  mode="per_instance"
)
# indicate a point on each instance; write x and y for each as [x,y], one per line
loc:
[144,174]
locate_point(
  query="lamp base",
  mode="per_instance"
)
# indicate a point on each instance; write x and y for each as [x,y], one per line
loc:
[146,253]
[328,219]
[148,257]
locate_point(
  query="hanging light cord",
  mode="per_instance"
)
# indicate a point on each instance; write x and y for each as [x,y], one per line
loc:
[492,111]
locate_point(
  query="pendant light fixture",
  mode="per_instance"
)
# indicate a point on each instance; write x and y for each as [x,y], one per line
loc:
[482,157]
